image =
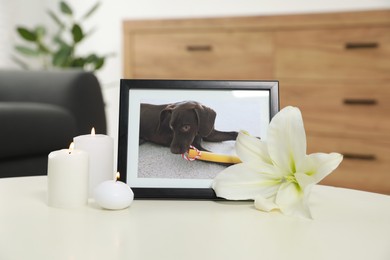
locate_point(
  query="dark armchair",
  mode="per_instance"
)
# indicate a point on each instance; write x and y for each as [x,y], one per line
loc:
[41,111]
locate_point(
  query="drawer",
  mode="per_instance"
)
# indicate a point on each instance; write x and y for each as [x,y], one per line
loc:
[359,53]
[203,55]
[349,109]
[366,163]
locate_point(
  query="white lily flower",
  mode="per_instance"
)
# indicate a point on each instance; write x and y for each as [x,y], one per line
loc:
[276,173]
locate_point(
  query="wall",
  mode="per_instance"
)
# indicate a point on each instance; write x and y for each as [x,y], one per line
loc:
[12,14]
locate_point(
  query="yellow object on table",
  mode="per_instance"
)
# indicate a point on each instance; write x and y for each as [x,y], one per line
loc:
[194,154]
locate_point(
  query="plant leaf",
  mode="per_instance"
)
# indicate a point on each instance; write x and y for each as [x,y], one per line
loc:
[27,51]
[91,58]
[78,63]
[57,39]
[77,33]
[56,19]
[40,32]
[43,48]
[65,8]
[27,34]
[99,63]
[61,57]
[91,11]
[96,61]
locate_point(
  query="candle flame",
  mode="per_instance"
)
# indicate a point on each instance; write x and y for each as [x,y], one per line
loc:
[117,176]
[93,131]
[71,147]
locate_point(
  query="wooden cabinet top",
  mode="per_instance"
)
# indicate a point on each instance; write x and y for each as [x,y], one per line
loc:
[291,21]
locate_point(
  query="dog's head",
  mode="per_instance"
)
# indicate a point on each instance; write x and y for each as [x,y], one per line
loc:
[187,120]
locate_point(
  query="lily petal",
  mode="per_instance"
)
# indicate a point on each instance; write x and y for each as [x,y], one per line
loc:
[264,204]
[240,182]
[323,164]
[286,140]
[250,148]
[262,167]
[305,181]
[292,200]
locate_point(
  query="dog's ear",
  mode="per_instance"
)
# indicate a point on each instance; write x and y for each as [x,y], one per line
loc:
[165,116]
[206,119]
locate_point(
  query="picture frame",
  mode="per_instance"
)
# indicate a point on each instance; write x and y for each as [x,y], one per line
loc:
[158,171]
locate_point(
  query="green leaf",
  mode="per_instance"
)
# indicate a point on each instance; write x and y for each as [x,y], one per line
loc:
[27,51]
[65,8]
[95,61]
[61,57]
[57,39]
[77,33]
[91,58]
[78,63]
[43,48]
[27,34]
[91,11]
[40,32]
[99,63]
[56,19]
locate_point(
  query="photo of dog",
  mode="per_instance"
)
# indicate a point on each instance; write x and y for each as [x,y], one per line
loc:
[176,136]
[180,125]
[169,125]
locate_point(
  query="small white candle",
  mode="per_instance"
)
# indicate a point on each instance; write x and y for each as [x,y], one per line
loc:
[113,194]
[101,157]
[67,177]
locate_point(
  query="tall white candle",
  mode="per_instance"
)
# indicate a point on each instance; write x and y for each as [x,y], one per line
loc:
[67,177]
[101,157]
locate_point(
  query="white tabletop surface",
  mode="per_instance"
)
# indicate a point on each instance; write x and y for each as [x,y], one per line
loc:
[347,224]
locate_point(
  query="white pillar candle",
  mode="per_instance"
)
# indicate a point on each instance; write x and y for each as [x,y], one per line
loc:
[101,157]
[67,177]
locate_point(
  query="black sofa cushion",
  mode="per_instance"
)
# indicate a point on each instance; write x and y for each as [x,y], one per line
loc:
[75,90]
[48,108]
[30,129]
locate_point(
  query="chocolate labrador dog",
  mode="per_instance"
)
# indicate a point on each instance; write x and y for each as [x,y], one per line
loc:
[179,125]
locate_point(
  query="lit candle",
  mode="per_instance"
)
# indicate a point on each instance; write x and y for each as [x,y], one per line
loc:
[113,194]
[101,157]
[67,177]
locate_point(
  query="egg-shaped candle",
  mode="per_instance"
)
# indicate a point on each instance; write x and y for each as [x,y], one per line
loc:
[113,194]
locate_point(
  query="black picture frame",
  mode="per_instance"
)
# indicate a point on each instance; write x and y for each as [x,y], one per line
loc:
[226,94]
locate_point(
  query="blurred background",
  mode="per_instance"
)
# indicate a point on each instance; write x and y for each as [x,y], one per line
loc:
[332,59]
[108,22]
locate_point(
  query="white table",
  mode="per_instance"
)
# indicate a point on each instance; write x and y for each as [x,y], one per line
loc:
[347,224]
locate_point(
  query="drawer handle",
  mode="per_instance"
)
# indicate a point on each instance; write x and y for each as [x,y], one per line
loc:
[364,102]
[361,45]
[199,48]
[364,157]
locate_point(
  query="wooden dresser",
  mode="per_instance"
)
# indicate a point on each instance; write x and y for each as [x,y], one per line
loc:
[335,67]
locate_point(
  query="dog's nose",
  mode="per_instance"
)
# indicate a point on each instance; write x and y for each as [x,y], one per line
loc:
[178,150]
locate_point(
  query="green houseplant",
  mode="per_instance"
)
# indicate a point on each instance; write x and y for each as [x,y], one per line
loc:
[59,50]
